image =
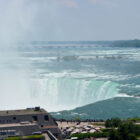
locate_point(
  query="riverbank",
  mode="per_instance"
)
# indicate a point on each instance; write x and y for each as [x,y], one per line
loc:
[69,128]
[111,129]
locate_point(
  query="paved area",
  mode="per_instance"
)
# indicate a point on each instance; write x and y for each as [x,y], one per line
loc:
[74,124]
[46,137]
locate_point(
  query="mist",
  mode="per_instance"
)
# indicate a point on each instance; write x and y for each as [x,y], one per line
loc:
[17,17]
[21,21]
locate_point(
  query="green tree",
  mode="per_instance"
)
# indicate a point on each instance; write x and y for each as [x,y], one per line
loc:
[131,137]
[108,123]
[116,122]
[114,135]
[123,131]
[126,131]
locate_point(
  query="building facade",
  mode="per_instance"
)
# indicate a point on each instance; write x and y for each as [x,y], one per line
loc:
[28,121]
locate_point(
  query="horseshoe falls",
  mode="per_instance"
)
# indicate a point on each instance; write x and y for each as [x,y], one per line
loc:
[66,75]
[68,93]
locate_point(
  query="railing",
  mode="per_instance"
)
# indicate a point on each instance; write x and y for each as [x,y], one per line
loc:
[52,137]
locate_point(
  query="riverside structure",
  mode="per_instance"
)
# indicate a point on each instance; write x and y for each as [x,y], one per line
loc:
[27,122]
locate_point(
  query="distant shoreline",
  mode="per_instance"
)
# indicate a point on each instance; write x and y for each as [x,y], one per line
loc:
[108,43]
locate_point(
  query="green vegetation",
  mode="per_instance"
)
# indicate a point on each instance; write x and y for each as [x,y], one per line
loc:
[13,138]
[126,129]
[135,119]
[116,129]
[115,122]
[32,137]
[106,129]
[88,135]
[98,123]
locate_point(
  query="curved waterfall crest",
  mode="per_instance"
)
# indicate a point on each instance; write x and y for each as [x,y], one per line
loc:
[70,92]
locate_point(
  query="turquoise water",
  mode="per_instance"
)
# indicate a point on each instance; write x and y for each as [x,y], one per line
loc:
[67,75]
[68,93]
[64,75]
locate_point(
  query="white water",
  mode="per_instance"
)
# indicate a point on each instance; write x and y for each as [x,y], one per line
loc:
[67,93]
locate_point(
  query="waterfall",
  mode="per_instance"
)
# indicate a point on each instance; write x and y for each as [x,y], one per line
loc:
[67,93]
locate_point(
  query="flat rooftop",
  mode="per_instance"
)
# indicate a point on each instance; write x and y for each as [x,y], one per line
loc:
[28,111]
[17,125]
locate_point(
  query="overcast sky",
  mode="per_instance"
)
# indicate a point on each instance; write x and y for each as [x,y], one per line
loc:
[72,19]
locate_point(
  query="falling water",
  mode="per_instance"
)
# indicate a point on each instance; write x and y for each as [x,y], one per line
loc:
[68,93]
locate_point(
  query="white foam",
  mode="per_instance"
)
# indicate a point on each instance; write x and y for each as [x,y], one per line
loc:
[124,95]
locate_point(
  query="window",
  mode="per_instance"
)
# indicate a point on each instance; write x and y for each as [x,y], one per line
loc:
[34,118]
[46,117]
[14,118]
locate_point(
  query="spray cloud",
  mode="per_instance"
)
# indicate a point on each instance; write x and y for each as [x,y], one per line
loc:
[16,22]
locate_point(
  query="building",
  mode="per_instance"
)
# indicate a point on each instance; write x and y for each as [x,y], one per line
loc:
[27,121]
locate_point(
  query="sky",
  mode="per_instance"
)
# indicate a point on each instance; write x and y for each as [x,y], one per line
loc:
[70,20]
